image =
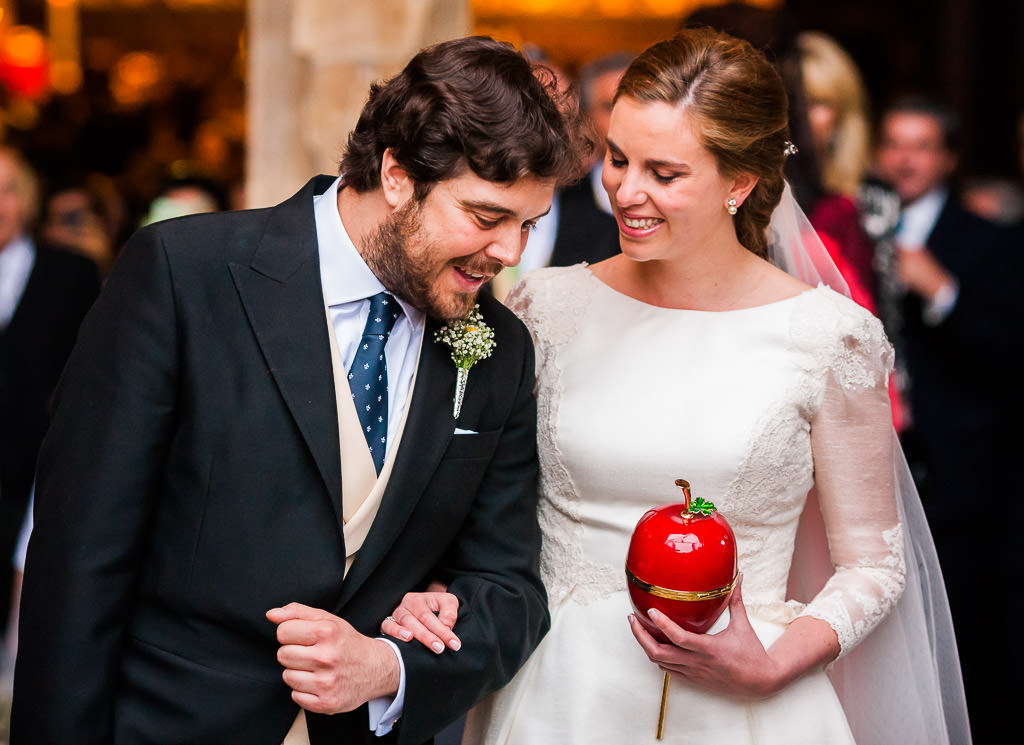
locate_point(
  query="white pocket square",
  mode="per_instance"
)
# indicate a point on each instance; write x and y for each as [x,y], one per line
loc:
[465,431]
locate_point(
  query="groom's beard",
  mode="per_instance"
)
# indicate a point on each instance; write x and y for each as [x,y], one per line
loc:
[411,265]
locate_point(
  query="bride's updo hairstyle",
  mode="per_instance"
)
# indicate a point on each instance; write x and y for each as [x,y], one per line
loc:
[737,103]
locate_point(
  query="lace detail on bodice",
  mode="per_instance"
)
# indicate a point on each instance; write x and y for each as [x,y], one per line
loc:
[551,305]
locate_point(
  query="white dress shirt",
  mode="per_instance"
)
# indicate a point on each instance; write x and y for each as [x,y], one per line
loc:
[16,261]
[600,194]
[348,283]
[541,243]
[917,221]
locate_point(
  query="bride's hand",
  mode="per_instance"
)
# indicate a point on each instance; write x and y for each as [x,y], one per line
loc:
[733,661]
[428,617]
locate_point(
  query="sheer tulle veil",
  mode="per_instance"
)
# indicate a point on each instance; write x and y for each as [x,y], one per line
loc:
[903,683]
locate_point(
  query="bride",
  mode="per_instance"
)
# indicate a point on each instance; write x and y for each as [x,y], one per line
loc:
[691,355]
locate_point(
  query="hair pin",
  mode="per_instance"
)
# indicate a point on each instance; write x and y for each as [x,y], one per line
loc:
[790,148]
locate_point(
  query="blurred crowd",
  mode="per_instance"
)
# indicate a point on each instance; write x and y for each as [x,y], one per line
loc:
[929,245]
[75,182]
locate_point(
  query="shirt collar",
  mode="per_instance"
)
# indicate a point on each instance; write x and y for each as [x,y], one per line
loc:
[18,252]
[16,261]
[600,195]
[344,275]
[919,217]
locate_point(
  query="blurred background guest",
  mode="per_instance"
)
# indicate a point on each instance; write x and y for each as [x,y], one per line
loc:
[999,200]
[961,317]
[44,293]
[185,195]
[80,216]
[838,116]
[586,227]
[579,226]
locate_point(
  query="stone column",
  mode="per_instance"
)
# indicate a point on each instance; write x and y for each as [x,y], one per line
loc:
[311,63]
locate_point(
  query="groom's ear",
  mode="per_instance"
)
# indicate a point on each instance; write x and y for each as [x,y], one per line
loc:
[395,183]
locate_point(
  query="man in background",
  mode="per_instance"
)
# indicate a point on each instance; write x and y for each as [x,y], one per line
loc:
[961,324]
[580,225]
[44,293]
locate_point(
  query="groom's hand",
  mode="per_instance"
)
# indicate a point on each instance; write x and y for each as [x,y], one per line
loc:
[330,666]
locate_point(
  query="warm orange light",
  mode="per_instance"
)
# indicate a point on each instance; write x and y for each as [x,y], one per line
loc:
[134,77]
[65,76]
[24,46]
[606,8]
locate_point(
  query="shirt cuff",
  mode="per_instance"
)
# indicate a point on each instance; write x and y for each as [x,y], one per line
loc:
[941,304]
[386,710]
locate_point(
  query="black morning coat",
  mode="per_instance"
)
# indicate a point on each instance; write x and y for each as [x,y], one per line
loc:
[191,481]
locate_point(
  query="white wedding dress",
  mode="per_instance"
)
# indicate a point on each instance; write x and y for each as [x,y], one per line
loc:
[753,407]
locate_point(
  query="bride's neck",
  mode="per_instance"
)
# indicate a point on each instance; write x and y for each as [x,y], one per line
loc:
[705,280]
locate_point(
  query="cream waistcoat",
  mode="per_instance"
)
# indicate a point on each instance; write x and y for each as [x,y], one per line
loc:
[361,487]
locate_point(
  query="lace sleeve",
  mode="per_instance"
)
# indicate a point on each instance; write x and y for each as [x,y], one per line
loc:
[852,446]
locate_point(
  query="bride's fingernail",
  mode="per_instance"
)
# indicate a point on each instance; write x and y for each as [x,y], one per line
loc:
[406,635]
[653,613]
[437,647]
[455,645]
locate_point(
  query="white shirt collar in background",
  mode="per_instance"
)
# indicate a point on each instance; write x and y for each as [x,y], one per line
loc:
[16,261]
[918,219]
[600,195]
[541,243]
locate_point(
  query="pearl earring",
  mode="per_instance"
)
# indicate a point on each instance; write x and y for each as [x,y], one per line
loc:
[730,206]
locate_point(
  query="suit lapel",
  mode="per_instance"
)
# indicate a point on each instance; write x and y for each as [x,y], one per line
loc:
[282,295]
[428,430]
[950,238]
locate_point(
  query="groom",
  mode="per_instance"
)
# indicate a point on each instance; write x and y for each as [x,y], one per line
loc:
[254,454]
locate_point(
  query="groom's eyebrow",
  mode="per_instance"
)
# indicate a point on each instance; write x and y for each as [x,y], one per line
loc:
[500,209]
[487,206]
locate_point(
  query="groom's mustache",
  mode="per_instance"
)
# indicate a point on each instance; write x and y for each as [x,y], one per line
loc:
[487,268]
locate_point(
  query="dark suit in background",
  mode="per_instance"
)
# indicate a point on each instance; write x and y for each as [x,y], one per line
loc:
[33,349]
[211,492]
[585,231]
[965,446]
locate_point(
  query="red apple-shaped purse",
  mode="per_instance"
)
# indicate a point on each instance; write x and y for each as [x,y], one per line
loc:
[681,561]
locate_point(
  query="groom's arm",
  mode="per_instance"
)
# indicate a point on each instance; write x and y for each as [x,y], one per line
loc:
[493,567]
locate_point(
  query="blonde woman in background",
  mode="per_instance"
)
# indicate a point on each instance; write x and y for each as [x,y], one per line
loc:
[837,112]
[854,223]
[837,109]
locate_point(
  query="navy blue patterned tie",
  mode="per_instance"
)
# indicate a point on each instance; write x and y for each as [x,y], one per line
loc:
[368,376]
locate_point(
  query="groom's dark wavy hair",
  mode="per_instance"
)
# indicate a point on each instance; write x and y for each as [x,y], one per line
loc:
[468,103]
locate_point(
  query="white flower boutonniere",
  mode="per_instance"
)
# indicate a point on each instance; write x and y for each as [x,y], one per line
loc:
[471,340]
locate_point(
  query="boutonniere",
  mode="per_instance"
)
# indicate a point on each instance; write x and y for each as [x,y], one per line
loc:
[471,340]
